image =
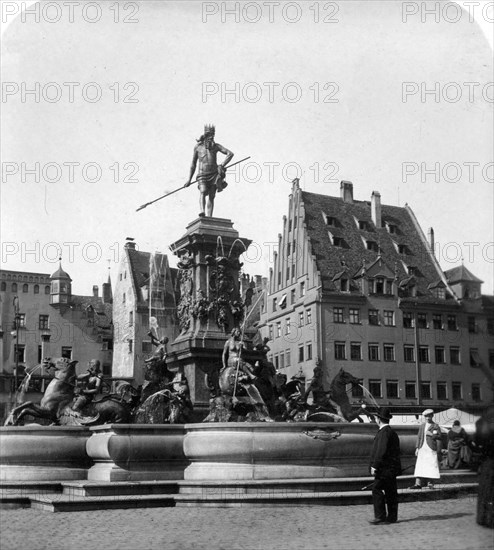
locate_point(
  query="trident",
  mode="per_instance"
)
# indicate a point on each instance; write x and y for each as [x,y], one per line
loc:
[195,181]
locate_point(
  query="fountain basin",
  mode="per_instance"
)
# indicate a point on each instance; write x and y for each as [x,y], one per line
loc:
[43,453]
[285,450]
[215,451]
[136,452]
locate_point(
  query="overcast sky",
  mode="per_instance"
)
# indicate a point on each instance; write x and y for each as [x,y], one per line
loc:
[335,108]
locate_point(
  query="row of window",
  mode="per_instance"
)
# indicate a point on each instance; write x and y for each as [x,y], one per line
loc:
[283,301]
[25,288]
[19,277]
[43,321]
[393,390]
[389,354]
[20,349]
[304,318]
[409,319]
[282,359]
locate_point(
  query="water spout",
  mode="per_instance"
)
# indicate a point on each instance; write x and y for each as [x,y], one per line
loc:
[219,242]
[24,385]
[370,396]
[233,244]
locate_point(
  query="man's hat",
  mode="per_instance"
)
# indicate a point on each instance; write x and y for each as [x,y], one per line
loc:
[385,414]
[428,412]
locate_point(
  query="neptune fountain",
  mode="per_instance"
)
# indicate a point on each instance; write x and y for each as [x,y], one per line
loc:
[258,426]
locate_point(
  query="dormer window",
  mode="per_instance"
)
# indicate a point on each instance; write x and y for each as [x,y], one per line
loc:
[363,225]
[330,220]
[381,286]
[344,287]
[372,245]
[335,241]
[391,228]
[439,293]
[411,270]
[403,249]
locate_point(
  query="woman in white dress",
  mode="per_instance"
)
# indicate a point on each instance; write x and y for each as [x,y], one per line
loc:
[428,451]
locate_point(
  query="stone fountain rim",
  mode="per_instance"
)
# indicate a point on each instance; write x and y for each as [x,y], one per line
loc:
[292,426]
[39,428]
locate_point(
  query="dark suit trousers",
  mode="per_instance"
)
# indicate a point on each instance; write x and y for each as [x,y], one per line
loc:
[385,492]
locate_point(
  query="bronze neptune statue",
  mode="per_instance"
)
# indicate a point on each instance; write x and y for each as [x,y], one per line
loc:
[210,176]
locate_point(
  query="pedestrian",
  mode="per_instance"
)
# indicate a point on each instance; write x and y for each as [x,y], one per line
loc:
[458,450]
[428,452]
[484,442]
[385,466]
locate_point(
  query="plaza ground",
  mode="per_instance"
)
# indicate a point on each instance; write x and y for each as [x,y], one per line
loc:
[439,524]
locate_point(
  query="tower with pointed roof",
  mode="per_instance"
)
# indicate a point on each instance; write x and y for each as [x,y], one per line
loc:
[60,288]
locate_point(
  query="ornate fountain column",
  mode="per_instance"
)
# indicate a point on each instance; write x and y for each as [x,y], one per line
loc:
[210,303]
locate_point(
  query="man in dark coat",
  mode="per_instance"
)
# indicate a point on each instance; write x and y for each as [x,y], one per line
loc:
[385,465]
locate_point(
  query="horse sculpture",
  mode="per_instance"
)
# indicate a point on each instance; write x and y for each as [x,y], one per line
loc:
[106,409]
[55,404]
[338,396]
[328,406]
[58,394]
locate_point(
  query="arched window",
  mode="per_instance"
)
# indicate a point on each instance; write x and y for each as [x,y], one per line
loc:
[14,287]
[4,285]
[47,289]
[25,288]
[36,289]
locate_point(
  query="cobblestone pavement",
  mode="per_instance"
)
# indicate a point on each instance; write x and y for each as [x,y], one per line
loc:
[442,524]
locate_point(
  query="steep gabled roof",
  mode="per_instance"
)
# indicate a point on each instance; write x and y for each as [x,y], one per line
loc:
[354,253]
[151,270]
[460,274]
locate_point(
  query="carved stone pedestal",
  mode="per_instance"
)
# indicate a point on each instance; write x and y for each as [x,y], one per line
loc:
[210,303]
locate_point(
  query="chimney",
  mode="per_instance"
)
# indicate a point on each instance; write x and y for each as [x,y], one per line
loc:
[376,208]
[130,243]
[432,244]
[95,291]
[346,191]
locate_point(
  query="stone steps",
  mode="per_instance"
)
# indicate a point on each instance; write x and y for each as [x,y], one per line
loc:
[64,503]
[81,495]
[18,494]
[116,488]
[308,485]
[321,498]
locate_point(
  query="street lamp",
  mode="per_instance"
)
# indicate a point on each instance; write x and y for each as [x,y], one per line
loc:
[15,334]
[45,340]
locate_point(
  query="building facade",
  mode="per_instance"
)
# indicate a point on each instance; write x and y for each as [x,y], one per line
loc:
[40,317]
[144,301]
[356,285]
